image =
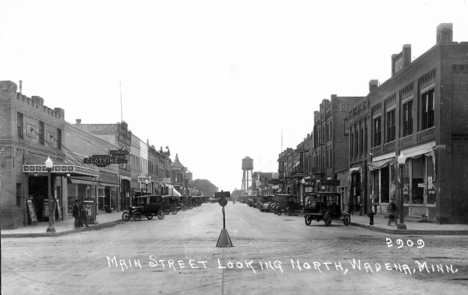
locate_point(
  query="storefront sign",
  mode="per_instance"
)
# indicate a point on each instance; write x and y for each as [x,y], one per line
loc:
[118,152]
[103,160]
[66,169]
[331,182]
[32,211]
[143,179]
[161,180]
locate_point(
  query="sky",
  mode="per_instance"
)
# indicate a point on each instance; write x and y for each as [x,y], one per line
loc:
[215,81]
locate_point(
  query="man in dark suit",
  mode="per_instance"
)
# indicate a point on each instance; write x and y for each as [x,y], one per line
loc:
[84,219]
[76,213]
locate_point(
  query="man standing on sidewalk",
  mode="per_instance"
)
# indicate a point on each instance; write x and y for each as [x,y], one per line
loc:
[76,214]
[83,217]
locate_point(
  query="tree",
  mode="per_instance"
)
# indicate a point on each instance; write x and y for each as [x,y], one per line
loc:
[206,187]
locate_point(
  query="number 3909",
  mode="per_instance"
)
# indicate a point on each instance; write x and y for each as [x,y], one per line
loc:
[409,243]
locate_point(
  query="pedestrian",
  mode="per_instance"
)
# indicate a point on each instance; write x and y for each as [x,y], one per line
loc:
[392,209]
[76,213]
[84,219]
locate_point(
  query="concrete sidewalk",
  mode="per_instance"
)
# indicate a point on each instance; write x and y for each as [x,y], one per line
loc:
[63,227]
[412,228]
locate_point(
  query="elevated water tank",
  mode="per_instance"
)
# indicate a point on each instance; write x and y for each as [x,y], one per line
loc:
[247,163]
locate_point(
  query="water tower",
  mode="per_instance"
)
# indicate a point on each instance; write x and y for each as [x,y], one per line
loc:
[247,165]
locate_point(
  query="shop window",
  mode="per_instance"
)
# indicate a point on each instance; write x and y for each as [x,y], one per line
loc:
[406,181]
[377,131]
[361,142]
[19,119]
[391,125]
[431,197]
[417,181]
[18,195]
[385,185]
[351,144]
[376,185]
[427,111]
[365,136]
[408,118]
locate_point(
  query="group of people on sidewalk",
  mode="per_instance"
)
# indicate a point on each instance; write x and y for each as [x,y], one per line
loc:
[79,213]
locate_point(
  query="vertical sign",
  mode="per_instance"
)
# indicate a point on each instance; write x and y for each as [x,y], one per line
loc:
[32,211]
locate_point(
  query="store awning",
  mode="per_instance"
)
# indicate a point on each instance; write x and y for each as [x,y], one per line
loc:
[91,182]
[415,152]
[72,170]
[380,164]
[297,164]
[172,191]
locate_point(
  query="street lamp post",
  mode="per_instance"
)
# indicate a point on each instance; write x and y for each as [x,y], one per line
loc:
[146,182]
[401,165]
[49,164]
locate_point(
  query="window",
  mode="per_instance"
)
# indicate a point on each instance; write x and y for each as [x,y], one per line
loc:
[59,139]
[330,126]
[329,158]
[41,132]
[346,127]
[365,136]
[361,140]
[427,109]
[351,144]
[408,118]
[391,125]
[18,195]
[377,131]
[356,141]
[19,119]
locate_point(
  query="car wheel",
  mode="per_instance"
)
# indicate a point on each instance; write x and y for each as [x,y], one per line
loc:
[149,216]
[173,210]
[161,214]
[308,220]
[125,216]
[183,207]
[290,212]
[296,213]
[279,212]
[137,216]
[327,219]
[347,219]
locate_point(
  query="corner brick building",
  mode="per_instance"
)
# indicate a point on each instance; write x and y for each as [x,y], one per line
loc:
[422,113]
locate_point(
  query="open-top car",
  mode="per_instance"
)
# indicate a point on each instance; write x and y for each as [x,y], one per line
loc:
[148,206]
[324,206]
[170,204]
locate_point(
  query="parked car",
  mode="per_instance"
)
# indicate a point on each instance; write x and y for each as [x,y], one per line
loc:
[287,203]
[148,206]
[324,206]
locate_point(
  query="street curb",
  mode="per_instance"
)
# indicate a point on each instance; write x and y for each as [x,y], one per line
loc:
[57,234]
[410,231]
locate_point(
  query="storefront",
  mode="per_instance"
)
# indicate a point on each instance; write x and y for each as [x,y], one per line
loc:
[382,180]
[419,177]
[37,200]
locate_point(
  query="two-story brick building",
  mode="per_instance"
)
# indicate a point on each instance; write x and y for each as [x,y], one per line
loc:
[422,113]
[30,133]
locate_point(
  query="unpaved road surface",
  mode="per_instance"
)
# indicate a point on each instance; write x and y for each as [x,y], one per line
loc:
[271,255]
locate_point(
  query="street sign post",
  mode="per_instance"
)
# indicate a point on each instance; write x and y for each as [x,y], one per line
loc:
[224,240]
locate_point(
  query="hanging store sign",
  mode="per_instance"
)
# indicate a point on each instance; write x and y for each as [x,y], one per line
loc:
[103,160]
[120,152]
[331,182]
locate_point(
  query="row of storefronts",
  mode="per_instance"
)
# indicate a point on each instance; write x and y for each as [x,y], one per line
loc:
[420,113]
[104,164]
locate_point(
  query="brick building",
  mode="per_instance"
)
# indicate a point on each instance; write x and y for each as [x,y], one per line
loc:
[31,132]
[422,113]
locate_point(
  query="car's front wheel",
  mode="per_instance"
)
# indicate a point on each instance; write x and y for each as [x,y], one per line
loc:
[149,216]
[308,220]
[161,214]
[125,216]
[174,210]
[327,219]
[347,219]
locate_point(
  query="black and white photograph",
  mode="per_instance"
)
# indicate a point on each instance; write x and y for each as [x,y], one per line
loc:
[234,147]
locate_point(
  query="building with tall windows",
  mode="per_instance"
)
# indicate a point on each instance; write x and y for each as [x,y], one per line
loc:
[422,113]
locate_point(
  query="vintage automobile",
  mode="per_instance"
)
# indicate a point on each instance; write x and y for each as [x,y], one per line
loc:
[148,206]
[170,204]
[252,201]
[262,200]
[324,206]
[287,204]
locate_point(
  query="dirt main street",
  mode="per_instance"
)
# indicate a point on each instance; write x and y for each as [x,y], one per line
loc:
[271,255]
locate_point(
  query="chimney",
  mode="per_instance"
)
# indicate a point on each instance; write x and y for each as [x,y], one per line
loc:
[444,33]
[402,59]
[78,121]
[373,84]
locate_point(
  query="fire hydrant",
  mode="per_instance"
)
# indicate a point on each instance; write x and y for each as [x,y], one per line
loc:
[371,218]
